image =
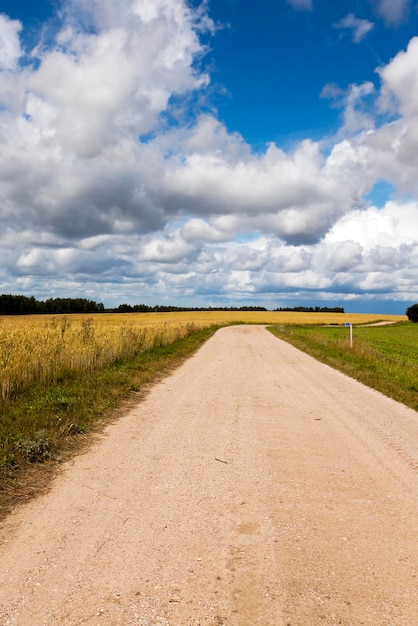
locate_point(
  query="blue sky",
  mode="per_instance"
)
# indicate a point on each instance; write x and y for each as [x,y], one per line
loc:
[222,153]
[274,62]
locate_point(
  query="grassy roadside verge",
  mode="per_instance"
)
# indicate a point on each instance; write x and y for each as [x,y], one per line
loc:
[45,425]
[382,357]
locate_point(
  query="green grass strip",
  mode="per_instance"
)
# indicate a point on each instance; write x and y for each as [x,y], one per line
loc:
[382,357]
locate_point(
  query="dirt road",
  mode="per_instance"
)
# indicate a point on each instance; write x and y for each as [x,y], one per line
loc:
[253,486]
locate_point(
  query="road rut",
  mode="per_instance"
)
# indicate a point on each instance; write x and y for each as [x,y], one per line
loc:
[254,485]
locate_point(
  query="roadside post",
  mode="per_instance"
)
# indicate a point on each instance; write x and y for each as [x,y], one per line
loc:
[351,333]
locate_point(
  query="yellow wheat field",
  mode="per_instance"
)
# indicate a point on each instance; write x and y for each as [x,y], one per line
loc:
[45,348]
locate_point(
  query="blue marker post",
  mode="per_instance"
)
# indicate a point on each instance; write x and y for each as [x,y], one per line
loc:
[351,333]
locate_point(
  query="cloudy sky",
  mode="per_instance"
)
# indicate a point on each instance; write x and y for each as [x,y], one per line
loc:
[218,153]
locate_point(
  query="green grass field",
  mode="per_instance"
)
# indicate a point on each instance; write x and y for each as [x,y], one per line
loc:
[382,357]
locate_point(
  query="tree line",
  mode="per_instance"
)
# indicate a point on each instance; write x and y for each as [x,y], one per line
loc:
[312,309]
[144,308]
[24,305]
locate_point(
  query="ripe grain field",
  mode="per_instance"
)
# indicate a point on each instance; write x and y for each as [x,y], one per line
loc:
[60,375]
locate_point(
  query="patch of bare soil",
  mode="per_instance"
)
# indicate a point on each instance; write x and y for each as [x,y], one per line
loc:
[255,485]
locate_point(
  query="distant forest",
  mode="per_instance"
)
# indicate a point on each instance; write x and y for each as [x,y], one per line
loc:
[314,309]
[23,305]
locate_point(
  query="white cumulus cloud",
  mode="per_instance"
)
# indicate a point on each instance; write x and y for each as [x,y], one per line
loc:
[10,51]
[393,11]
[359,28]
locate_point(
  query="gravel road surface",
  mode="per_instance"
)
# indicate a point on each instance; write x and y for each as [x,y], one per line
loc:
[252,486]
